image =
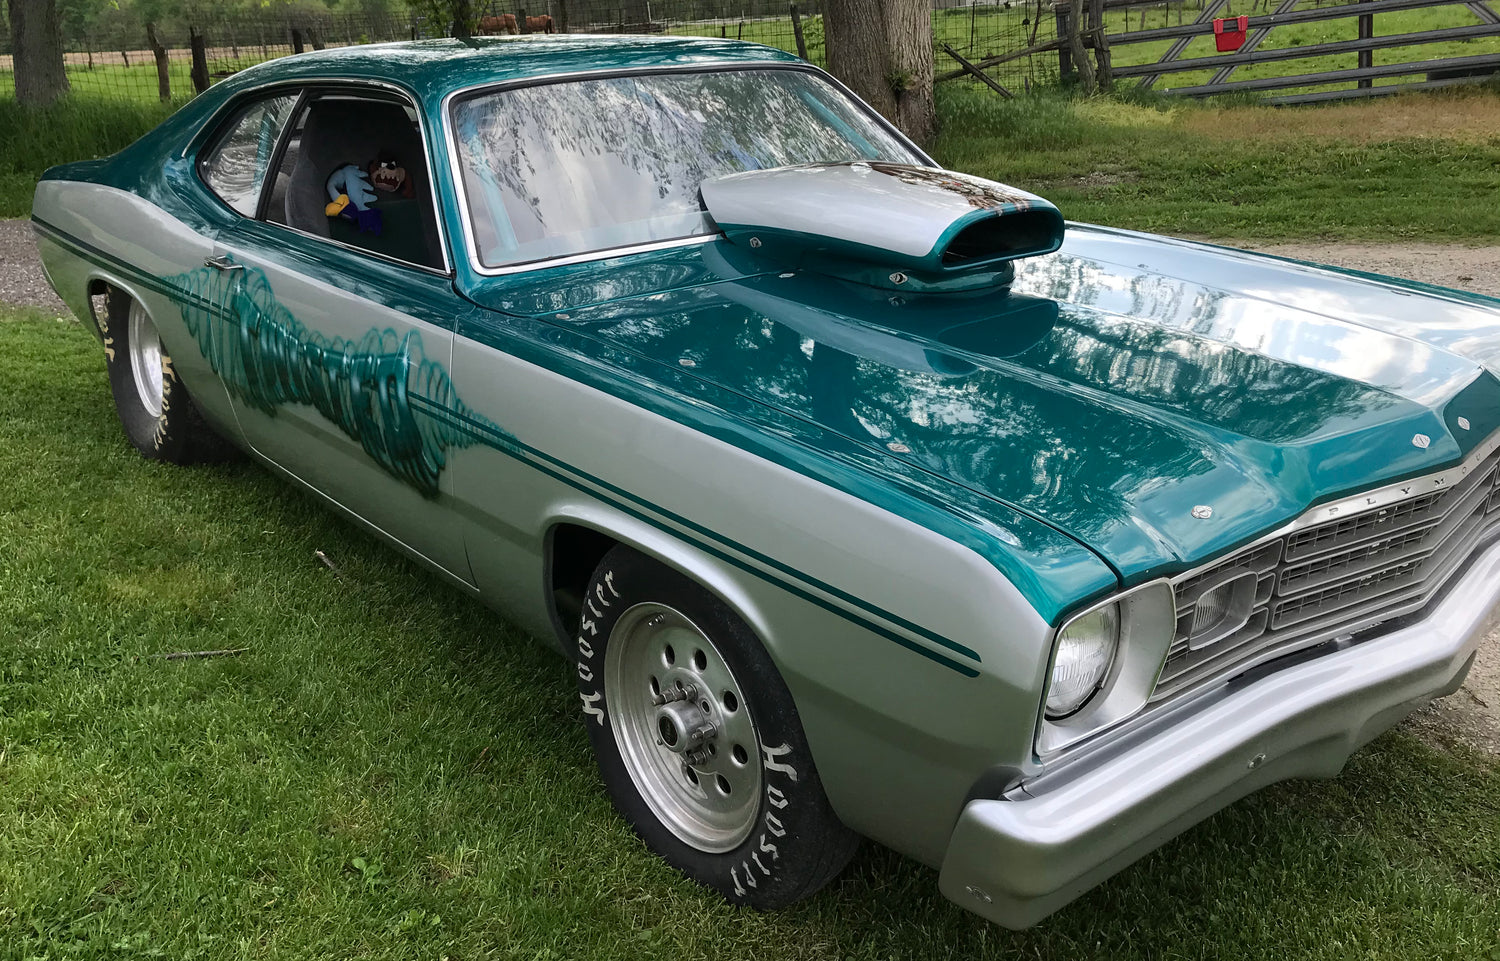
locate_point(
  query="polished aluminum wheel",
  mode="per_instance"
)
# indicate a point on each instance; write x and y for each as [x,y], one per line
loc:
[145,358]
[683,728]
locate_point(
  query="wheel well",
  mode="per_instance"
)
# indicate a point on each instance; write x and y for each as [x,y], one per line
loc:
[573,551]
[101,296]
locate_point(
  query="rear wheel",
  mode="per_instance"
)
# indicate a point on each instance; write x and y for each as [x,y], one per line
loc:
[154,408]
[697,738]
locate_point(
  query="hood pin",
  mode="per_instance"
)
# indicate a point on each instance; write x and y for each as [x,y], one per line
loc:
[1203,512]
[1463,422]
[1421,440]
[896,447]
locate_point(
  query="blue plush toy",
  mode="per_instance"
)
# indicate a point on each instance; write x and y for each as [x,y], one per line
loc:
[351,195]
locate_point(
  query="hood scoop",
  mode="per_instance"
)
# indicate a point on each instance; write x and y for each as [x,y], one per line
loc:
[889,225]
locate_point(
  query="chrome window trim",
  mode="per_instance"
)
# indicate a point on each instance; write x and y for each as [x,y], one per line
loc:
[1356,504]
[306,86]
[461,198]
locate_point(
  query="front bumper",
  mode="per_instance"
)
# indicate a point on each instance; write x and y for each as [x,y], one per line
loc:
[1015,860]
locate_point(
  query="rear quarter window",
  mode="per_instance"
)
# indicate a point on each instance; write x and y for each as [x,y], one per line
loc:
[235,166]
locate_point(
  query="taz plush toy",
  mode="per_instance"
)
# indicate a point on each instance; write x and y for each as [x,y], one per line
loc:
[389,176]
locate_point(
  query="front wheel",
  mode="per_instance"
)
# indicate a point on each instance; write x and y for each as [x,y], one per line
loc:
[697,738]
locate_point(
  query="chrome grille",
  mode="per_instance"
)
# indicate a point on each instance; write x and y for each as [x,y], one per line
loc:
[1339,576]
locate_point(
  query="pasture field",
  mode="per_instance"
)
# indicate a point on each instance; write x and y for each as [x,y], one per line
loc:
[389,770]
[1407,167]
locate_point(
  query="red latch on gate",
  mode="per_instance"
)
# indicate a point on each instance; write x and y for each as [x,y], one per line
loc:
[1230,34]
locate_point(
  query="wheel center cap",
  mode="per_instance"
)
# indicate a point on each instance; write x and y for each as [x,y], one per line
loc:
[682,727]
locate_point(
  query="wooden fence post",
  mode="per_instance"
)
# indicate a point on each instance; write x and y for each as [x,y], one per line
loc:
[521,23]
[1366,57]
[797,32]
[1076,24]
[1101,43]
[1064,55]
[314,38]
[297,46]
[200,60]
[163,75]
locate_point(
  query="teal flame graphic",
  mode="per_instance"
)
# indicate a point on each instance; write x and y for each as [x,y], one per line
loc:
[268,358]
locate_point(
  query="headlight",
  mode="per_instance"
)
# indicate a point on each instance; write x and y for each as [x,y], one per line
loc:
[1085,650]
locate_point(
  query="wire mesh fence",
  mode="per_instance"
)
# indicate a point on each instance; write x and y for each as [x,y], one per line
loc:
[984,30]
[126,58]
[121,58]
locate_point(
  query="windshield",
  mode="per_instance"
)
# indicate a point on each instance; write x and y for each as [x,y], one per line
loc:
[566,168]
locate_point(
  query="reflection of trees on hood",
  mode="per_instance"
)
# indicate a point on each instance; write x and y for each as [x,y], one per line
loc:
[613,151]
[1079,426]
[1173,361]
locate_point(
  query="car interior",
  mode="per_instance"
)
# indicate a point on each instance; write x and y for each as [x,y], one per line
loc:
[336,130]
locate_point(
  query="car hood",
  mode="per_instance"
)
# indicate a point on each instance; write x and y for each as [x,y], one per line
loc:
[1160,401]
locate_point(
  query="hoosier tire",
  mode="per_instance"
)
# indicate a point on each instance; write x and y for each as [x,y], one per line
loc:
[154,408]
[660,662]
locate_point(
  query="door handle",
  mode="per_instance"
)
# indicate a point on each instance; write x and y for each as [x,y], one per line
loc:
[222,262]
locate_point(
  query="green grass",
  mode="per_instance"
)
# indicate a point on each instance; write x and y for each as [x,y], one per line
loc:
[390,771]
[79,127]
[1414,166]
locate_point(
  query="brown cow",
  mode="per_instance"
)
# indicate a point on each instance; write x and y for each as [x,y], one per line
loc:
[542,24]
[505,23]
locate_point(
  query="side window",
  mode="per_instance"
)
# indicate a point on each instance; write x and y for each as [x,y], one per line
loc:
[355,171]
[236,165]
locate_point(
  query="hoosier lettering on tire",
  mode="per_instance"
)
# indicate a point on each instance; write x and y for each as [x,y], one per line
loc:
[698,740]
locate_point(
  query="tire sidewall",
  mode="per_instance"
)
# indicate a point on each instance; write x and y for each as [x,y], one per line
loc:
[767,869]
[161,437]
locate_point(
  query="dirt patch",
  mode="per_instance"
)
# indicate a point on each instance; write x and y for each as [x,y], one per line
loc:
[1094,180]
[1447,265]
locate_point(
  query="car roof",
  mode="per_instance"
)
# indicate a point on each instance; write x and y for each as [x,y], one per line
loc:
[433,68]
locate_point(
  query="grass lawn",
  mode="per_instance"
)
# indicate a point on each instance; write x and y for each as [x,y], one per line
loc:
[390,771]
[1412,166]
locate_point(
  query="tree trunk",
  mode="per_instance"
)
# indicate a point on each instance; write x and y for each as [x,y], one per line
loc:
[883,50]
[36,41]
[163,65]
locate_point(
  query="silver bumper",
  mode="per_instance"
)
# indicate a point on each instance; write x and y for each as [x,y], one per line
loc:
[1017,859]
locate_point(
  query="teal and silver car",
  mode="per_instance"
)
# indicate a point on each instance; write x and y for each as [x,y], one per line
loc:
[869,499]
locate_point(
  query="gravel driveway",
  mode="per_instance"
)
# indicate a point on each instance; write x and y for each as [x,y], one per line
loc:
[1472,716]
[22,282]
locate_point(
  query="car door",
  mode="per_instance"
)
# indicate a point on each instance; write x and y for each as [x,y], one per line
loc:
[338,337]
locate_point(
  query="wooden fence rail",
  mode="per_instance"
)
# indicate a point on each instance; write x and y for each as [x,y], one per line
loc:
[1309,50]
[1082,27]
